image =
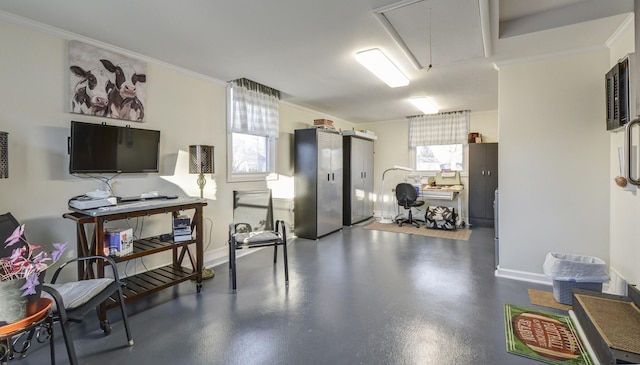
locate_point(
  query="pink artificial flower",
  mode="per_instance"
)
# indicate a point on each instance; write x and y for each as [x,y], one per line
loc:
[24,263]
[15,236]
[59,250]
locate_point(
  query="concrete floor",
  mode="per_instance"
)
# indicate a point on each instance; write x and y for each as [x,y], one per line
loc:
[355,297]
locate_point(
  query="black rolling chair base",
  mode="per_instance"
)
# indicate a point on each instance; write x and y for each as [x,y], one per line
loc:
[409,220]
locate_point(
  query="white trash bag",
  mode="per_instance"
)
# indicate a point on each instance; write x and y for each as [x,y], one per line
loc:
[575,268]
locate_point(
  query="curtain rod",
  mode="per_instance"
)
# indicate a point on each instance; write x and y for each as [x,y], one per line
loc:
[443,113]
[256,86]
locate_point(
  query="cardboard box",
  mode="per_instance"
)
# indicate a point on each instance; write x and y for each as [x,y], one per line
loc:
[182,237]
[181,222]
[118,242]
[323,122]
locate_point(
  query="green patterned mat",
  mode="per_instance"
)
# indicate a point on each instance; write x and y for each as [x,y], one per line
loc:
[543,336]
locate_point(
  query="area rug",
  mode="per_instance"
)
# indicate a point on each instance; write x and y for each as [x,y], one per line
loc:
[546,299]
[458,234]
[543,336]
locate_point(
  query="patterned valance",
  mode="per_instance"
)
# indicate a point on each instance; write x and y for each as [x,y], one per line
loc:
[254,109]
[439,129]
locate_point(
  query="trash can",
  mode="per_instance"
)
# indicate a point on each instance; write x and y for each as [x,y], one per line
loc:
[570,271]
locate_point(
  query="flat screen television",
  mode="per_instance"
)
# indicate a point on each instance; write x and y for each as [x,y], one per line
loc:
[101,148]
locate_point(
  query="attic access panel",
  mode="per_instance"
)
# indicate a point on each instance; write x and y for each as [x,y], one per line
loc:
[437,32]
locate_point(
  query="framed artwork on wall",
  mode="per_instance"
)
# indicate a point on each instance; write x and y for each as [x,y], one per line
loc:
[106,84]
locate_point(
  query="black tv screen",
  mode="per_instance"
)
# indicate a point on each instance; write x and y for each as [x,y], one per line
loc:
[101,148]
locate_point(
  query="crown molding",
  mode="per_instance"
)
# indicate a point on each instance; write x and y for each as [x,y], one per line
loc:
[548,56]
[628,22]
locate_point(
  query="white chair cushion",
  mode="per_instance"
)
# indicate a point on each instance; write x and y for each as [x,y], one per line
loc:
[255,237]
[76,293]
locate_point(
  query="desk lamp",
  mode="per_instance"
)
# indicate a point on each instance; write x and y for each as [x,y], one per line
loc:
[201,162]
[382,218]
[4,155]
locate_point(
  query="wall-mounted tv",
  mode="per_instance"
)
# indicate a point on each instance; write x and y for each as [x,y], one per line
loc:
[101,148]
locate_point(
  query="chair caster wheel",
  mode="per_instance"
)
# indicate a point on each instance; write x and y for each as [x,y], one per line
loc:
[130,343]
[105,327]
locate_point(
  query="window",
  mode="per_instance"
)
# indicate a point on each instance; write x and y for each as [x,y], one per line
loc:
[437,141]
[439,157]
[252,131]
[250,154]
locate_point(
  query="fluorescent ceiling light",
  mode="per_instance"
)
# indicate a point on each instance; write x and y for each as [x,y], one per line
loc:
[424,104]
[376,62]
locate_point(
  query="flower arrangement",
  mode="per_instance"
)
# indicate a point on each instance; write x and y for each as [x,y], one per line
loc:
[25,263]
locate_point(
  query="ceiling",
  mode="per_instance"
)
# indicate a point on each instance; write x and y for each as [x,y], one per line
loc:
[306,48]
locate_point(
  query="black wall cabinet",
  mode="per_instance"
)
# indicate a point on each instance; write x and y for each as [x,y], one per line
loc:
[483,181]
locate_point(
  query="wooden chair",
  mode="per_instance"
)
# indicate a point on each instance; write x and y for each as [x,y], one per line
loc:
[253,227]
[73,300]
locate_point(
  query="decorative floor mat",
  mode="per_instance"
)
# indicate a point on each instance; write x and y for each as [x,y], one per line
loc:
[546,299]
[543,336]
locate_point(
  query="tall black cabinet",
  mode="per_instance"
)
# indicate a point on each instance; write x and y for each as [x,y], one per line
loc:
[483,181]
[318,169]
[358,179]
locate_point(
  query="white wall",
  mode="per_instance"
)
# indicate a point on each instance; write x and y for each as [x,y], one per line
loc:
[625,205]
[553,160]
[485,123]
[187,108]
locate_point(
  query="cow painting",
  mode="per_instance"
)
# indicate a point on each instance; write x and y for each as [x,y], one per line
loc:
[105,83]
[90,92]
[123,98]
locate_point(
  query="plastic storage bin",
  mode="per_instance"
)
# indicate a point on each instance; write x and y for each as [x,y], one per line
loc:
[570,271]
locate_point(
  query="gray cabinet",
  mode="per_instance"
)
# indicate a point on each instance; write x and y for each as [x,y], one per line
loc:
[358,179]
[483,181]
[318,179]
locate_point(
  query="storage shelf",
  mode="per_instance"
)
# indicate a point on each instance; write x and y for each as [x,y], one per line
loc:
[152,281]
[150,246]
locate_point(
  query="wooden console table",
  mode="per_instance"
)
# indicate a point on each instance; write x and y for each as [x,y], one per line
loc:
[151,281]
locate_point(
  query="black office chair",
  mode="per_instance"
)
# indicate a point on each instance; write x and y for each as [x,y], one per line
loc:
[253,227]
[407,197]
[73,300]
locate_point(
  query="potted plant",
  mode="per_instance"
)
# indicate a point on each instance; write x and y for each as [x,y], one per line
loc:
[20,275]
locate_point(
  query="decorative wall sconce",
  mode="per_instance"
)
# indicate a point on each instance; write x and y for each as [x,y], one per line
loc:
[4,155]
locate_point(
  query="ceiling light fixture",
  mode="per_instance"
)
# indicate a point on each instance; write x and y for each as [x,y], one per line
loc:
[424,104]
[376,62]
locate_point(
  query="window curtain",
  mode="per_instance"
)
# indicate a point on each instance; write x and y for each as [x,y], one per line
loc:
[254,108]
[439,129]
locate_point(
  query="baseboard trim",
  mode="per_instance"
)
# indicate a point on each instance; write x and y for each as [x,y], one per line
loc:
[220,256]
[617,284]
[523,276]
